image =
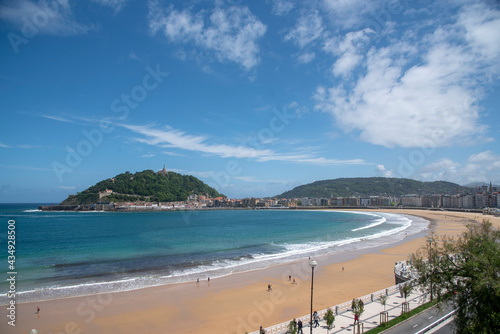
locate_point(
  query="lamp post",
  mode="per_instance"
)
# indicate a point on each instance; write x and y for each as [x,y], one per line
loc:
[313,264]
[429,239]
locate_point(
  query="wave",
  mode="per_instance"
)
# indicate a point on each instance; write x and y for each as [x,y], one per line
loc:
[32,210]
[281,253]
[376,223]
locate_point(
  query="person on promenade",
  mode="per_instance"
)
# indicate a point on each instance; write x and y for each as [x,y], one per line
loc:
[261,330]
[299,327]
[316,319]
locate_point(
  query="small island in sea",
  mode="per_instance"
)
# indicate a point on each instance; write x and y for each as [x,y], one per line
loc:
[146,190]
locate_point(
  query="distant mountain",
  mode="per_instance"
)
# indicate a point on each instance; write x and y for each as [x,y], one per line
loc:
[370,186]
[480,184]
[145,186]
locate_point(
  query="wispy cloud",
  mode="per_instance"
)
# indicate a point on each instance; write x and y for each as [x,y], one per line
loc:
[229,33]
[178,139]
[4,145]
[57,16]
[309,28]
[58,118]
[116,5]
[148,155]
[68,188]
[282,7]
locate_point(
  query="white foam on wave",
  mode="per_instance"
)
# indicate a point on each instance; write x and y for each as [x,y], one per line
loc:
[376,223]
[32,210]
[220,268]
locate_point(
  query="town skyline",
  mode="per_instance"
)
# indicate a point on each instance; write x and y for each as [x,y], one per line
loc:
[253,98]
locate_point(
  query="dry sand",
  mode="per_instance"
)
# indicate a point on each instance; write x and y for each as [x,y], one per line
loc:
[236,303]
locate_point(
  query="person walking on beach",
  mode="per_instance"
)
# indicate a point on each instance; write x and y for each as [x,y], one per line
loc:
[37,309]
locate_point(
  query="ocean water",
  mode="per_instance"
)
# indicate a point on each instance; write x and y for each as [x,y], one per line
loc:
[60,254]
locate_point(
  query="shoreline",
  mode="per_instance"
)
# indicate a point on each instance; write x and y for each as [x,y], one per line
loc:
[238,302]
[144,279]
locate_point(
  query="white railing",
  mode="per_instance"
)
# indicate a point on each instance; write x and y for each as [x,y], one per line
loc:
[338,309]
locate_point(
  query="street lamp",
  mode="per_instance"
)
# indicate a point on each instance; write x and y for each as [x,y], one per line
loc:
[313,264]
[429,239]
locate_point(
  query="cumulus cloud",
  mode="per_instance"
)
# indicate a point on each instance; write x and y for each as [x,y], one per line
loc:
[349,50]
[52,18]
[479,167]
[421,95]
[309,28]
[231,34]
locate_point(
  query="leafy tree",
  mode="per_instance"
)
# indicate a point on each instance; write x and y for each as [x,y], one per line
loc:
[383,300]
[358,307]
[407,288]
[292,327]
[329,318]
[469,268]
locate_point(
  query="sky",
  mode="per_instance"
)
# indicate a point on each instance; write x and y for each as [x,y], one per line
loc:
[252,97]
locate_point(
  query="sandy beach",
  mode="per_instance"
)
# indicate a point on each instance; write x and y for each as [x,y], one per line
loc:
[237,303]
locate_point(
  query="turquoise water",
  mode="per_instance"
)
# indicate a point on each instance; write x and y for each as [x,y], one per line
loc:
[75,253]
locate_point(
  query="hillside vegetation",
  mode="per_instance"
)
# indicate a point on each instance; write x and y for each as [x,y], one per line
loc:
[370,186]
[144,186]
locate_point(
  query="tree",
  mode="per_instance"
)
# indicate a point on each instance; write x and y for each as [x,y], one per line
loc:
[383,300]
[292,327]
[358,307]
[407,288]
[329,318]
[466,271]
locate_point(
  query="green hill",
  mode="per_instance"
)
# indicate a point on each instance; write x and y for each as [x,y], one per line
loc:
[145,186]
[370,186]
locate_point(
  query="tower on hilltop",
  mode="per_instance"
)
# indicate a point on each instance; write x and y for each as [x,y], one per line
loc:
[163,171]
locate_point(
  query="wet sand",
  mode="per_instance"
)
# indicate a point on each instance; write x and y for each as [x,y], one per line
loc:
[237,303]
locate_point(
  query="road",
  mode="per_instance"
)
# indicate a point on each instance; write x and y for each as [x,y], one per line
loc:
[422,320]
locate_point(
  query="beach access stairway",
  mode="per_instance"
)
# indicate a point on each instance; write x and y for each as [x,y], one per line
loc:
[370,318]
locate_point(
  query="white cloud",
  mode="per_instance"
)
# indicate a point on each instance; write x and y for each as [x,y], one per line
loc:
[57,118]
[68,188]
[171,138]
[348,49]
[53,18]
[424,99]
[479,167]
[308,29]
[148,155]
[351,13]
[116,5]
[230,33]
[282,7]
[381,171]
[306,57]
[4,146]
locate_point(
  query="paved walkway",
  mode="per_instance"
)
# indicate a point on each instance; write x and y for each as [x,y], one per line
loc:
[368,320]
[371,316]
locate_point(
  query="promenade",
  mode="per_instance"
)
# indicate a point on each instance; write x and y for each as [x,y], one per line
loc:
[369,319]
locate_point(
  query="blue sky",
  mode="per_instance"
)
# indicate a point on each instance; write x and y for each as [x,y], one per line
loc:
[252,97]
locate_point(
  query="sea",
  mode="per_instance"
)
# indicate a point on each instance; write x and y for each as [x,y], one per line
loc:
[63,254]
